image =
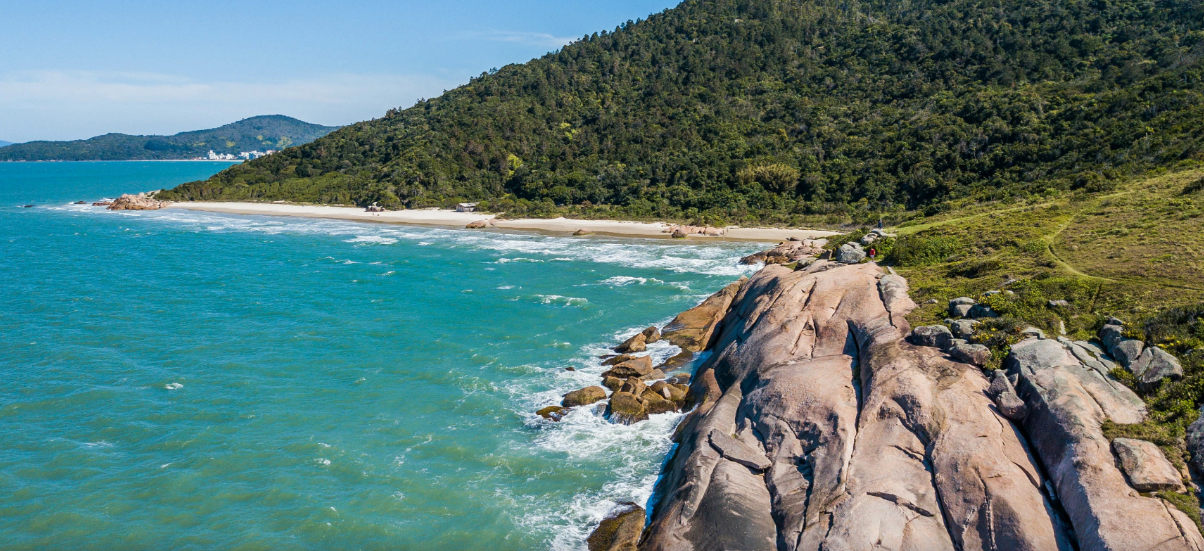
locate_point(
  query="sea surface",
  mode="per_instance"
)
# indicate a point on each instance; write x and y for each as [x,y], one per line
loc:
[183,380]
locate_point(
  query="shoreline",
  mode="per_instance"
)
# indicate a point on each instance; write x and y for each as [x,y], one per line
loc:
[439,217]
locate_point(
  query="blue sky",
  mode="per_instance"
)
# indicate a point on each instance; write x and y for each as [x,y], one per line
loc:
[72,70]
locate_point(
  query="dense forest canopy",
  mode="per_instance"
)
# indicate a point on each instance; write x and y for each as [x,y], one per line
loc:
[253,134]
[771,109]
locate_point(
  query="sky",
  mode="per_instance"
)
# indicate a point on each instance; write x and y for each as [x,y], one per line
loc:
[73,70]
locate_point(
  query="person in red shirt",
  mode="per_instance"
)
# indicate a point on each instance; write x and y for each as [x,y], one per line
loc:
[873,253]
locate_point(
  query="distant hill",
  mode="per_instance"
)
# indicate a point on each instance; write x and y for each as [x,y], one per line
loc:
[773,110]
[256,133]
[4,143]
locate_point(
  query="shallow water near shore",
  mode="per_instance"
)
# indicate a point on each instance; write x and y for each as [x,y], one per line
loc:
[178,379]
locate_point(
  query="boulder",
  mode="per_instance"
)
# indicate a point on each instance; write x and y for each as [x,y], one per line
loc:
[613,383]
[616,360]
[1111,335]
[982,311]
[553,413]
[1195,442]
[937,336]
[673,392]
[963,329]
[136,202]
[582,232]
[679,234]
[974,354]
[869,238]
[850,253]
[1004,395]
[655,403]
[1154,365]
[637,343]
[693,330]
[477,225]
[651,335]
[960,307]
[636,367]
[619,531]
[584,397]
[654,375]
[633,385]
[625,408]
[1126,352]
[1146,467]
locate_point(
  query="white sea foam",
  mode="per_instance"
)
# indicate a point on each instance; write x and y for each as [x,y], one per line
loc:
[173,386]
[562,300]
[372,239]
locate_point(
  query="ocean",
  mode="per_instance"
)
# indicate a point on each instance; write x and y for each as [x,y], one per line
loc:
[185,380]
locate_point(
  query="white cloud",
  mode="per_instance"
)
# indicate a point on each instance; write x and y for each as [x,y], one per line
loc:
[73,105]
[527,39]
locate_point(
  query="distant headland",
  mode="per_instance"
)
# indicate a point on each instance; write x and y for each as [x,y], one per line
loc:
[246,139]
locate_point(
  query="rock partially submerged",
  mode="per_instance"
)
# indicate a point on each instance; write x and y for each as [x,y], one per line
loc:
[694,329]
[619,531]
[141,201]
[584,397]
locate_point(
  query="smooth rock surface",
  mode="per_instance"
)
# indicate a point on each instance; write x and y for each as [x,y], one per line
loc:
[694,329]
[584,397]
[1146,466]
[850,253]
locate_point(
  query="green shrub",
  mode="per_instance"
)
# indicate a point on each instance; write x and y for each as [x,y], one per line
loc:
[921,251]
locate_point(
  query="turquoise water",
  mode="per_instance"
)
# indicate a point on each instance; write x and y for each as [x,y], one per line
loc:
[183,380]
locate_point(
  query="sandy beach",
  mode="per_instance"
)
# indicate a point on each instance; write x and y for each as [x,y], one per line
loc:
[435,217]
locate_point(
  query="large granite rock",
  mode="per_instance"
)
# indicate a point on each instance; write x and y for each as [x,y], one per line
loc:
[868,442]
[960,306]
[1146,467]
[1067,403]
[137,202]
[1195,442]
[850,253]
[694,329]
[584,397]
[1154,365]
[619,531]
[637,343]
[634,367]
[936,336]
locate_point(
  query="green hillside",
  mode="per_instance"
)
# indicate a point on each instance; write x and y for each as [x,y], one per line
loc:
[784,111]
[4,143]
[256,133]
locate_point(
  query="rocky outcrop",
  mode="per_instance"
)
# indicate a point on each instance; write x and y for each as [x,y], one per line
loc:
[818,426]
[1145,466]
[787,252]
[694,329]
[620,530]
[141,201]
[584,397]
[1067,401]
[850,253]
[1149,364]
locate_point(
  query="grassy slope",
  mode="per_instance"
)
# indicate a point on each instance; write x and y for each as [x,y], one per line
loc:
[1131,252]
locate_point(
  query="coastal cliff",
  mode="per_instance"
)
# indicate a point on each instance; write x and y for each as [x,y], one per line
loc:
[817,425]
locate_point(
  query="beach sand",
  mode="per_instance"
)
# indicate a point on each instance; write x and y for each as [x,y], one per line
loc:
[437,217]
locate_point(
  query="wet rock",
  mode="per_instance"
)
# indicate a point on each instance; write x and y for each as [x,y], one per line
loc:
[619,531]
[625,408]
[635,367]
[636,343]
[553,413]
[960,307]
[584,397]
[679,234]
[651,335]
[694,329]
[679,379]
[582,232]
[613,383]
[850,253]
[974,354]
[634,386]
[1147,469]
[477,225]
[655,403]
[136,202]
[616,360]
[937,336]
[673,392]
[654,375]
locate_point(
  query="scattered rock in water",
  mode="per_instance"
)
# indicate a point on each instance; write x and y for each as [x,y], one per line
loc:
[679,379]
[103,203]
[27,206]
[620,530]
[678,360]
[638,343]
[960,307]
[674,392]
[1146,467]
[655,403]
[678,234]
[651,335]
[850,253]
[937,336]
[582,232]
[553,413]
[584,397]
[616,360]
[974,354]
[636,367]
[137,202]
[80,203]
[613,383]
[654,375]
[625,408]
[570,369]
[477,225]
[634,386]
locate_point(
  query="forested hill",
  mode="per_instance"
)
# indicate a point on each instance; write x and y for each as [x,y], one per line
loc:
[4,143]
[767,110]
[256,133]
